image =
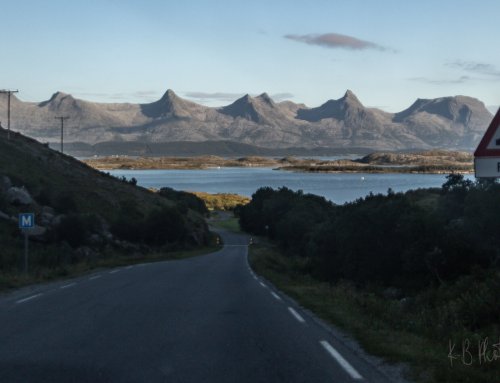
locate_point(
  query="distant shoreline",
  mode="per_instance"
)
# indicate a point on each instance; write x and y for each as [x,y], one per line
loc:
[422,162]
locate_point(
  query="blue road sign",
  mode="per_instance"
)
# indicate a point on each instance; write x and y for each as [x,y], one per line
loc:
[26,220]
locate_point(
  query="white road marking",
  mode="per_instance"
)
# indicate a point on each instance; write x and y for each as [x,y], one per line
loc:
[94,277]
[340,360]
[275,295]
[129,267]
[263,285]
[68,285]
[254,277]
[114,271]
[29,298]
[296,315]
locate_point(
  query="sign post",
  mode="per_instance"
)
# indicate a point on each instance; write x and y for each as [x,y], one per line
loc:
[487,154]
[26,222]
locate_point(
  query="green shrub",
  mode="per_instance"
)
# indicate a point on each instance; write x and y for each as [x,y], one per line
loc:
[65,203]
[407,240]
[162,226]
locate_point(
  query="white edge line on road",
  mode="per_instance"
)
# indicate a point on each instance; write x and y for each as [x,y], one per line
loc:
[29,298]
[296,315]
[129,267]
[275,295]
[263,285]
[340,360]
[114,271]
[94,277]
[68,285]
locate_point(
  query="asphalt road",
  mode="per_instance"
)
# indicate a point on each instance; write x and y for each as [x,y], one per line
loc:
[203,319]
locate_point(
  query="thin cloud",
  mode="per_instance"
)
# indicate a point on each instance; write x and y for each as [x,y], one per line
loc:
[335,41]
[281,96]
[426,80]
[493,108]
[217,96]
[222,96]
[476,68]
[146,95]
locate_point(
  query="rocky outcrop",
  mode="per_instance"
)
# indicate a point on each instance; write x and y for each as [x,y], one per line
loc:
[18,196]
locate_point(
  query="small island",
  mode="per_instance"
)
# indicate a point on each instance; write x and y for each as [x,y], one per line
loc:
[430,161]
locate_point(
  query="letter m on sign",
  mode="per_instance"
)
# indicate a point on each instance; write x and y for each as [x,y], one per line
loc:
[26,220]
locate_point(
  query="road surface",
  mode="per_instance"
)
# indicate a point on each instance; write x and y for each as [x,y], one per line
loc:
[203,319]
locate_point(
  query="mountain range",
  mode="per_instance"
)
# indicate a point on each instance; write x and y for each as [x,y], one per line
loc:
[449,122]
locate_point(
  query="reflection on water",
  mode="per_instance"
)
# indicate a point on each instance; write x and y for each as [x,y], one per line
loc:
[339,188]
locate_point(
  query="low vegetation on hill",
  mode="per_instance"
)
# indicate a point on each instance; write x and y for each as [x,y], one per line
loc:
[222,201]
[199,162]
[432,161]
[427,157]
[82,215]
[414,274]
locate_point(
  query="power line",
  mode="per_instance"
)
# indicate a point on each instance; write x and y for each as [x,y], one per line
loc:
[8,92]
[62,118]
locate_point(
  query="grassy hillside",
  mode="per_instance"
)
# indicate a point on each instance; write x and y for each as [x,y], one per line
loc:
[83,215]
[50,175]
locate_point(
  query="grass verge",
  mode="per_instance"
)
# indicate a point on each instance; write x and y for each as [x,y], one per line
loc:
[12,280]
[230,224]
[365,316]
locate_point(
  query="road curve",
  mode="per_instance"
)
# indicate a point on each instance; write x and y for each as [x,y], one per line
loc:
[203,319]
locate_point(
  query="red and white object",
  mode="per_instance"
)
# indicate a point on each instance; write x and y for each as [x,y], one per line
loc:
[487,154]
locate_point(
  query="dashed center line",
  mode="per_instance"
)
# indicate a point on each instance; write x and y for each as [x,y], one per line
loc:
[263,285]
[275,295]
[29,298]
[94,277]
[296,315]
[340,360]
[68,285]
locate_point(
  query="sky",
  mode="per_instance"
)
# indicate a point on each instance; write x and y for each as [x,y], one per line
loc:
[389,53]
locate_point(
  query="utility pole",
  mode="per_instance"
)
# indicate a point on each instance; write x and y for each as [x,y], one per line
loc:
[62,128]
[8,92]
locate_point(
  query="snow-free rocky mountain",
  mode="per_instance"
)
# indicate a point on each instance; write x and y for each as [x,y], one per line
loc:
[448,122]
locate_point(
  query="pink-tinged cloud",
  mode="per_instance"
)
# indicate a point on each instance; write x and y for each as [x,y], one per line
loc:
[335,40]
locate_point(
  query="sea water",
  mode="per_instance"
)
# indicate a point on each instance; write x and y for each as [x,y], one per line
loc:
[336,187]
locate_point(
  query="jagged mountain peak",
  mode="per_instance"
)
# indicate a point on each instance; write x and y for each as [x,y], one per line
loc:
[350,98]
[169,105]
[170,95]
[58,100]
[455,108]
[244,108]
[452,122]
[260,109]
[337,109]
[59,95]
[264,97]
